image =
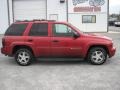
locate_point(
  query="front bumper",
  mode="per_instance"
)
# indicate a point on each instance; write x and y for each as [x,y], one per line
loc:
[112,52]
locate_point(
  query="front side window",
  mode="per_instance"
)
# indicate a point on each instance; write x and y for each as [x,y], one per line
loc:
[89,19]
[16,30]
[62,30]
[39,29]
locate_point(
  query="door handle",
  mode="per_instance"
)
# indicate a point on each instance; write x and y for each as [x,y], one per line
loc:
[30,40]
[55,41]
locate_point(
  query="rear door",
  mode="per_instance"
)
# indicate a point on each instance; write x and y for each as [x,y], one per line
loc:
[39,36]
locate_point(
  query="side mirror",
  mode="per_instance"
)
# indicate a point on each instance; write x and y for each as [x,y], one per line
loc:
[76,35]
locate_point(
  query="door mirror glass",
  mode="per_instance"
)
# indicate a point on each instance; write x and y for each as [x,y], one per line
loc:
[76,35]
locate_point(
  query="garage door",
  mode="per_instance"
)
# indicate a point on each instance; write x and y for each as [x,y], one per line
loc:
[29,9]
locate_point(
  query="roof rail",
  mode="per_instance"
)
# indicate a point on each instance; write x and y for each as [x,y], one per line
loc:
[22,21]
[35,20]
[43,20]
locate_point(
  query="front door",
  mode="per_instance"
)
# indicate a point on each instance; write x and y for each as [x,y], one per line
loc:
[63,43]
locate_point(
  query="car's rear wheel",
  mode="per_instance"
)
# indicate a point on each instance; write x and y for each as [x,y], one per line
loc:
[23,57]
[97,55]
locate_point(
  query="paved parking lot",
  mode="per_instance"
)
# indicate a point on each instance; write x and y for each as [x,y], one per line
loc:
[115,29]
[51,75]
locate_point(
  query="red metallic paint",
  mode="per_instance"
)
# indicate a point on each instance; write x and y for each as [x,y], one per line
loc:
[66,47]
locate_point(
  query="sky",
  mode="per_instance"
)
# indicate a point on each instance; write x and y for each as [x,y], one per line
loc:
[114,6]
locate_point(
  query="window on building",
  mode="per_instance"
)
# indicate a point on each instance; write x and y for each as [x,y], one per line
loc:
[62,30]
[39,29]
[16,30]
[89,19]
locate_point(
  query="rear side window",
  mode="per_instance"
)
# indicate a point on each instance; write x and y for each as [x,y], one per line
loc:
[16,30]
[39,29]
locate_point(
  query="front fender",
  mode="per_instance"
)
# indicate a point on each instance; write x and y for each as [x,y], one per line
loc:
[93,44]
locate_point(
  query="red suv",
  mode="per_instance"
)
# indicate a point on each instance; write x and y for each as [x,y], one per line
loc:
[27,40]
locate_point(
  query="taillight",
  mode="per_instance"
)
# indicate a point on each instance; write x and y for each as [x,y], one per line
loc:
[3,42]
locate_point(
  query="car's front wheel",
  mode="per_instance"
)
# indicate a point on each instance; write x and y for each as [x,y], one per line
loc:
[23,57]
[97,55]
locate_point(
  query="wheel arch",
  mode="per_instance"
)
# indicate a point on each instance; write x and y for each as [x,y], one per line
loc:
[17,47]
[93,46]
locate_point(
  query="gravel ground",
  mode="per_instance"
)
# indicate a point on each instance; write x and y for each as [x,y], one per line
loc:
[52,75]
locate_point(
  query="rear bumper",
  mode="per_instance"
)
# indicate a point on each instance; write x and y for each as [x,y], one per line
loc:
[5,51]
[112,52]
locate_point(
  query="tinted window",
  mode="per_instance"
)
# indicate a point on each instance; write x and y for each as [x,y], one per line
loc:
[39,29]
[62,30]
[16,30]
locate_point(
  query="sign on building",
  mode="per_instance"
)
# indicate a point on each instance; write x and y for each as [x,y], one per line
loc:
[79,6]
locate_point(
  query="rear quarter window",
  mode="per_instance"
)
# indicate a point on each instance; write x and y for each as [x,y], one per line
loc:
[16,30]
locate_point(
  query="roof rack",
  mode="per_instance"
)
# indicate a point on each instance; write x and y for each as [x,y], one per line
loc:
[22,20]
[43,20]
[35,20]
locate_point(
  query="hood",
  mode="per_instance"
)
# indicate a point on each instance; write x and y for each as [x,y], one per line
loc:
[99,36]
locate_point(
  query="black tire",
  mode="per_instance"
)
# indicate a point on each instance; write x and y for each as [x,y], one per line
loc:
[97,55]
[21,60]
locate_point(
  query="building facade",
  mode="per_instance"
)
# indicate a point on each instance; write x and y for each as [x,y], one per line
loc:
[87,15]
